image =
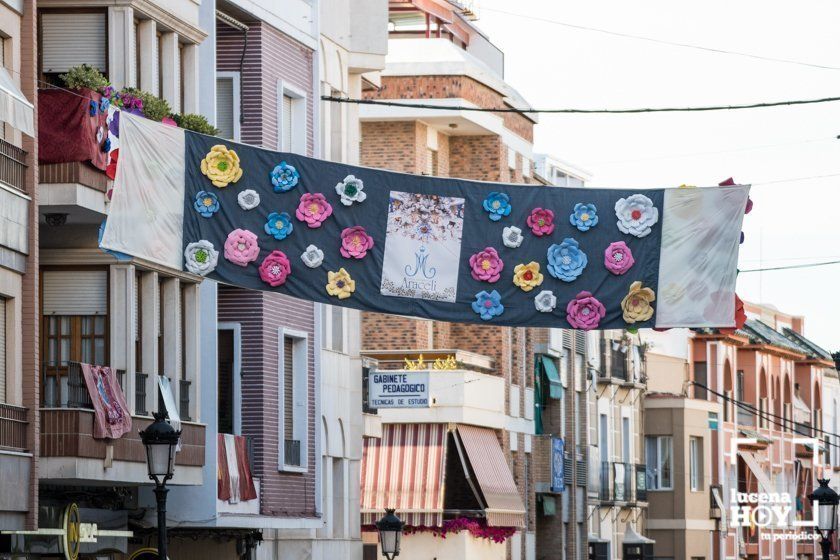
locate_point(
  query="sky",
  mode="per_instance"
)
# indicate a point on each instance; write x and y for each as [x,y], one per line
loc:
[792,222]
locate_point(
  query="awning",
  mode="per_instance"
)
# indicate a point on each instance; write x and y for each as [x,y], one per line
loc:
[404,470]
[754,464]
[555,386]
[756,435]
[15,109]
[503,503]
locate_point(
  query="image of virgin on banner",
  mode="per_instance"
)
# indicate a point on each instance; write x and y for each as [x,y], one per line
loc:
[110,409]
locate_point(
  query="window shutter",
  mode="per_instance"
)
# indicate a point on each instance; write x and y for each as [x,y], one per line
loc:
[288,388]
[287,124]
[69,39]
[2,349]
[224,107]
[76,292]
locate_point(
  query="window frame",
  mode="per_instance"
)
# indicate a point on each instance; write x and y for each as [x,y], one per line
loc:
[236,329]
[236,99]
[695,463]
[300,398]
[299,101]
[655,463]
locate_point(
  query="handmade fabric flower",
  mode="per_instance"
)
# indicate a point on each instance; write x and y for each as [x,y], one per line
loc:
[355,242]
[512,237]
[284,177]
[541,221]
[618,258]
[221,166]
[488,305]
[275,268]
[566,261]
[636,304]
[111,170]
[585,312]
[312,257]
[486,266]
[584,216]
[527,276]
[497,204]
[94,108]
[200,257]
[206,203]
[545,302]
[339,284]
[351,190]
[313,209]
[636,215]
[248,199]
[241,247]
[106,146]
[279,225]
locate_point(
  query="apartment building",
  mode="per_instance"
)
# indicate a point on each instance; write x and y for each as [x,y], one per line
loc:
[709,445]
[558,172]
[18,269]
[476,441]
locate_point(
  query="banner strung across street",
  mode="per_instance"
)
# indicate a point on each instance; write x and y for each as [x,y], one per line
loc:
[444,249]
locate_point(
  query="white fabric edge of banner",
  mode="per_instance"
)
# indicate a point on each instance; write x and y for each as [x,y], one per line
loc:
[146,212]
[698,259]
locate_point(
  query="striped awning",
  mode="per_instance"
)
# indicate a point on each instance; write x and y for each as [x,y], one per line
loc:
[503,503]
[404,470]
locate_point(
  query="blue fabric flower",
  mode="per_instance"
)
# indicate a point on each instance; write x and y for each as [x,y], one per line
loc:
[94,108]
[488,305]
[106,146]
[497,204]
[584,217]
[104,104]
[206,203]
[566,261]
[284,177]
[279,225]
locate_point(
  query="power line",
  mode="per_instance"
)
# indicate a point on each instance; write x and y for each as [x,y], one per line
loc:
[789,267]
[389,103]
[665,42]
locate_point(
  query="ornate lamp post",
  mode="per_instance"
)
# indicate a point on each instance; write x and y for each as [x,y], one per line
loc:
[160,440]
[825,499]
[390,529]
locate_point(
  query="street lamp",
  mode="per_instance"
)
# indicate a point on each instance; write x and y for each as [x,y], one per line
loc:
[826,500]
[160,440]
[390,529]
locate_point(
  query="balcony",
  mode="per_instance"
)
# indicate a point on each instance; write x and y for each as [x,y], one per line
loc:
[14,207]
[69,452]
[12,428]
[241,507]
[622,484]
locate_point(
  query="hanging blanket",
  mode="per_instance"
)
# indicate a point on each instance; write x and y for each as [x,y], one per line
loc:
[109,407]
[235,481]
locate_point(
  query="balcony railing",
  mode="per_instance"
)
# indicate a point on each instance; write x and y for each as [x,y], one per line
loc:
[291,455]
[366,408]
[184,399]
[12,427]
[140,393]
[12,165]
[623,482]
[604,490]
[64,385]
[641,483]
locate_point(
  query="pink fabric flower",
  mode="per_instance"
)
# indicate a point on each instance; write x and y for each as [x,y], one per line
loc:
[241,247]
[275,268]
[313,209]
[355,242]
[585,312]
[618,258]
[486,265]
[541,221]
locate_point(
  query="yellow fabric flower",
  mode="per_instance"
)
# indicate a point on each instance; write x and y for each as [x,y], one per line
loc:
[527,276]
[636,304]
[339,284]
[221,166]
[687,186]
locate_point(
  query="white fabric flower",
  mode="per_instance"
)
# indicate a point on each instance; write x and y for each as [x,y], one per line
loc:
[351,190]
[545,301]
[512,237]
[248,199]
[201,257]
[636,215]
[312,257]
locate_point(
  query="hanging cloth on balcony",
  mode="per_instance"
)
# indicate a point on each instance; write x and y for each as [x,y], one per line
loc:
[168,396]
[15,109]
[438,248]
[109,407]
[234,477]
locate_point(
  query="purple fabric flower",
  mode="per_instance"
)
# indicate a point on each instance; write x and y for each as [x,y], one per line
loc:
[313,209]
[486,265]
[275,268]
[355,242]
[618,258]
[114,126]
[541,221]
[585,312]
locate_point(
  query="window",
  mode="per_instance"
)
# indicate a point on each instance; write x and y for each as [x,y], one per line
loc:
[227,105]
[2,349]
[286,123]
[293,397]
[333,331]
[431,162]
[701,377]
[580,371]
[291,119]
[604,437]
[695,461]
[511,158]
[70,39]
[526,167]
[659,452]
[625,439]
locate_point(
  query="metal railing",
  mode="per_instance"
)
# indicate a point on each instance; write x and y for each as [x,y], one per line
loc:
[640,484]
[184,399]
[12,165]
[604,490]
[12,427]
[291,455]
[64,385]
[623,482]
[140,393]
